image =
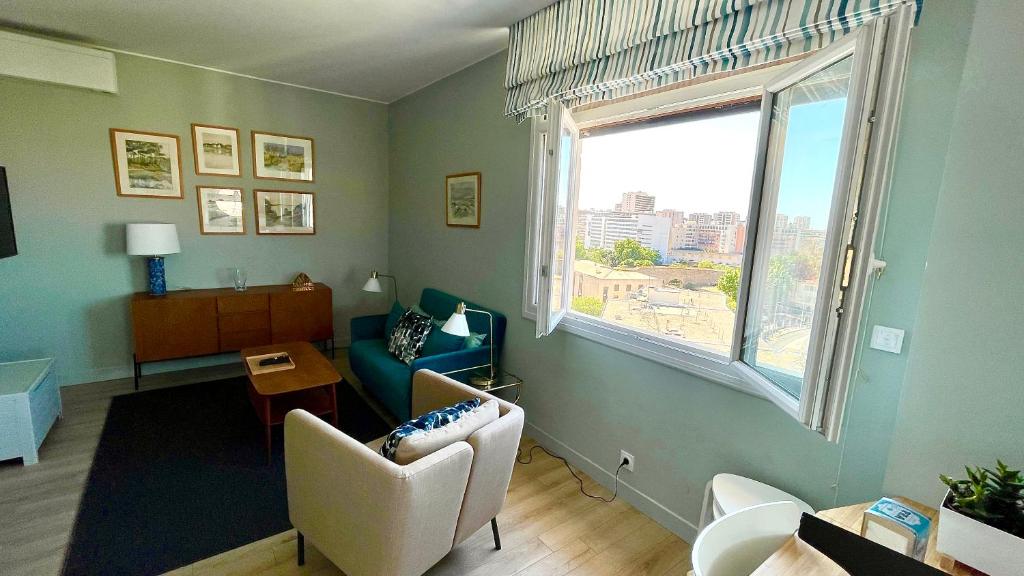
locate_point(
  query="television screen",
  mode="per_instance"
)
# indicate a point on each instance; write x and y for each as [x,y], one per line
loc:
[7,245]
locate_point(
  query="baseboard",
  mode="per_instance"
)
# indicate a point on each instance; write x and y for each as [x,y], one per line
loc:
[652,508]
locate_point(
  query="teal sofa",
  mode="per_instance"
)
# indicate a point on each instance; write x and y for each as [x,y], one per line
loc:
[390,380]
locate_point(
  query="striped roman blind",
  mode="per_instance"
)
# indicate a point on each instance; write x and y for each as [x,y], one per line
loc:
[582,51]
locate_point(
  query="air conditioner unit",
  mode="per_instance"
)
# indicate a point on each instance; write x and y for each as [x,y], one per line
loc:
[33,58]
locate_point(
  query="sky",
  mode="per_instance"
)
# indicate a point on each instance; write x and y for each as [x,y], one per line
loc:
[706,165]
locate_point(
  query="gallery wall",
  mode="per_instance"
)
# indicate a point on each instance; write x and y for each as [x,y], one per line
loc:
[65,295]
[586,400]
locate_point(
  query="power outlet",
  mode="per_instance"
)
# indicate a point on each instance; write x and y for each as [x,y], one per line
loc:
[627,458]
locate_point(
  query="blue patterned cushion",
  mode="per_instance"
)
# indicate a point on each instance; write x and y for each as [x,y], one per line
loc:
[428,421]
[410,334]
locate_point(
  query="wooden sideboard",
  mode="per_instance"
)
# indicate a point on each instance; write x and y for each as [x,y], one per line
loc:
[187,323]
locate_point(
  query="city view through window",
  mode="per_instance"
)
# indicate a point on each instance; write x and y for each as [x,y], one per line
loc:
[661,227]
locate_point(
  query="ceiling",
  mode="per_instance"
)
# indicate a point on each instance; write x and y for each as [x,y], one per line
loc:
[375,49]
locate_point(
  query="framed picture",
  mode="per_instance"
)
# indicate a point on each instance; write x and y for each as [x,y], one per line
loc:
[282,213]
[462,199]
[282,157]
[220,210]
[216,150]
[146,164]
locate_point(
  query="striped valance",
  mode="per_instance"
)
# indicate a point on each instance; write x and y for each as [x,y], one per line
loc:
[582,51]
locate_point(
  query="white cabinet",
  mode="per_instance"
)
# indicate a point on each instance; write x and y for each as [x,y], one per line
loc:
[29,405]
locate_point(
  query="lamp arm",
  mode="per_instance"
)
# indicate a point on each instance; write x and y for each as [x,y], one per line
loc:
[394,280]
[490,320]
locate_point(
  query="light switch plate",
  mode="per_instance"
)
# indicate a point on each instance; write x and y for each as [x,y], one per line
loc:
[887,339]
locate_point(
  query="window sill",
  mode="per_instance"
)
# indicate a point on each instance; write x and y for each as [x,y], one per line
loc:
[706,366]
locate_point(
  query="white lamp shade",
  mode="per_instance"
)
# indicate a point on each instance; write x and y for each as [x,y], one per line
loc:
[372,285]
[456,325]
[152,239]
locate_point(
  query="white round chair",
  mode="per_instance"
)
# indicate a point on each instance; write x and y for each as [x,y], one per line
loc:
[728,493]
[736,544]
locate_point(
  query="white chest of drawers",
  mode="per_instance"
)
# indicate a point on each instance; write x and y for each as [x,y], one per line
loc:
[29,405]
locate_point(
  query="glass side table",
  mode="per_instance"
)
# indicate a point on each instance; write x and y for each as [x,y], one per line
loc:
[502,381]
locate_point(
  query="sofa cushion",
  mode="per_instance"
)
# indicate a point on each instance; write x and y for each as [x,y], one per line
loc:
[474,340]
[439,342]
[428,421]
[420,444]
[393,317]
[410,334]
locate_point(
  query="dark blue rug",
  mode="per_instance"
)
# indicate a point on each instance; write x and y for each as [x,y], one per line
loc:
[181,474]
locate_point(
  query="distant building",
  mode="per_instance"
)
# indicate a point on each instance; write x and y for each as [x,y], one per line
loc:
[796,235]
[678,217]
[600,281]
[721,232]
[603,229]
[636,203]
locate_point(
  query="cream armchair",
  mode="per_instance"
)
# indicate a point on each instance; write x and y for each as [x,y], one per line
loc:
[372,517]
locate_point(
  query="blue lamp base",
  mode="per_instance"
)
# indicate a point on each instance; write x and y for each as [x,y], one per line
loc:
[157,281]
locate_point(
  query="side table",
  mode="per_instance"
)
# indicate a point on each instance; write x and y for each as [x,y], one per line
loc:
[29,405]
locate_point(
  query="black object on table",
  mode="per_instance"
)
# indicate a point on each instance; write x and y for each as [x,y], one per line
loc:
[856,554]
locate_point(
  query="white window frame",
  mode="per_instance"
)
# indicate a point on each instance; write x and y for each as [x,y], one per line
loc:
[824,413]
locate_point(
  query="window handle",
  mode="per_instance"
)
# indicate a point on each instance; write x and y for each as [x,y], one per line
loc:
[848,266]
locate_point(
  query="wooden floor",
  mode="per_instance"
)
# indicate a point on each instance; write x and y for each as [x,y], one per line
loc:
[547,526]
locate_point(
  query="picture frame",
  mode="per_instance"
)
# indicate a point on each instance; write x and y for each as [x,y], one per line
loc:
[284,212]
[462,195]
[146,164]
[221,210]
[282,157]
[216,150]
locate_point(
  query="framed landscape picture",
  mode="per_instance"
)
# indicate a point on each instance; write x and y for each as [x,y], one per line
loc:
[220,210]
[462,199]
[216,150]
[282,157]
[282,213]
[146,164]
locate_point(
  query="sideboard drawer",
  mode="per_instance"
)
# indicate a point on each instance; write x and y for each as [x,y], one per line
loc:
[234,341]
[244,322]
[242,302]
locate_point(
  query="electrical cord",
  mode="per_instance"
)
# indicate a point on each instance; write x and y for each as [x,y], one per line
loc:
[529,459]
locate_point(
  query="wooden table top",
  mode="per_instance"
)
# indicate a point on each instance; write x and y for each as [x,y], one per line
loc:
[311,370]
[797,558]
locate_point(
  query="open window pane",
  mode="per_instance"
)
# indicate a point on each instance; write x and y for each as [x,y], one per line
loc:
[560,184]
[806,135]
[661,225]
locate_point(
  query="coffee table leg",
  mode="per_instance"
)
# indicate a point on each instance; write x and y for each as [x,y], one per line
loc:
[334,404]
[266,415]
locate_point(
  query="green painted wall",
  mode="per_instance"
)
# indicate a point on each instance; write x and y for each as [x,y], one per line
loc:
[964,391]
[587,400]
[66,294]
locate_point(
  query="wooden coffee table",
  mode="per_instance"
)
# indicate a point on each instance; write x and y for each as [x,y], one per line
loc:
[309,386]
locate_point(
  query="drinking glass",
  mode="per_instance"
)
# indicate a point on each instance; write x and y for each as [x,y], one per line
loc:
[240,277]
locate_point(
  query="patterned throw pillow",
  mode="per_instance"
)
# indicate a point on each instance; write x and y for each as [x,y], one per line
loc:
[410,333]
[428,421]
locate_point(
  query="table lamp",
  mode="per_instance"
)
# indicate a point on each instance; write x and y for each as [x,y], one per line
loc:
[457,326]
[373,283]
[153,240]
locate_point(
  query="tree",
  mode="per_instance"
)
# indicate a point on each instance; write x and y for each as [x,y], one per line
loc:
[631,250]
[588,305]
[729,284]
[599,255]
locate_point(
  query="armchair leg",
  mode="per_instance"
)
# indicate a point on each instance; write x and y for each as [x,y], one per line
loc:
[494,530]
[301,541]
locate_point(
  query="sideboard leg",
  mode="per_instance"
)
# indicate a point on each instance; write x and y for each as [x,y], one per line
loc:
[138,371]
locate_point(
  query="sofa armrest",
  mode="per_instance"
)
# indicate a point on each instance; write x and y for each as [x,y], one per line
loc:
[363,511]
[368,327]
[459,360]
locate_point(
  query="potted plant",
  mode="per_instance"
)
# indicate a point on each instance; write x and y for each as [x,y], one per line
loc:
[981,521]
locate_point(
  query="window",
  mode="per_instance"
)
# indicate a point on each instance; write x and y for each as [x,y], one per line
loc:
[758,286]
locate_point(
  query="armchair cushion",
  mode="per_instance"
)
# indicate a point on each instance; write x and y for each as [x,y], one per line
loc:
[439,342]
[420,444]
[429,421]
